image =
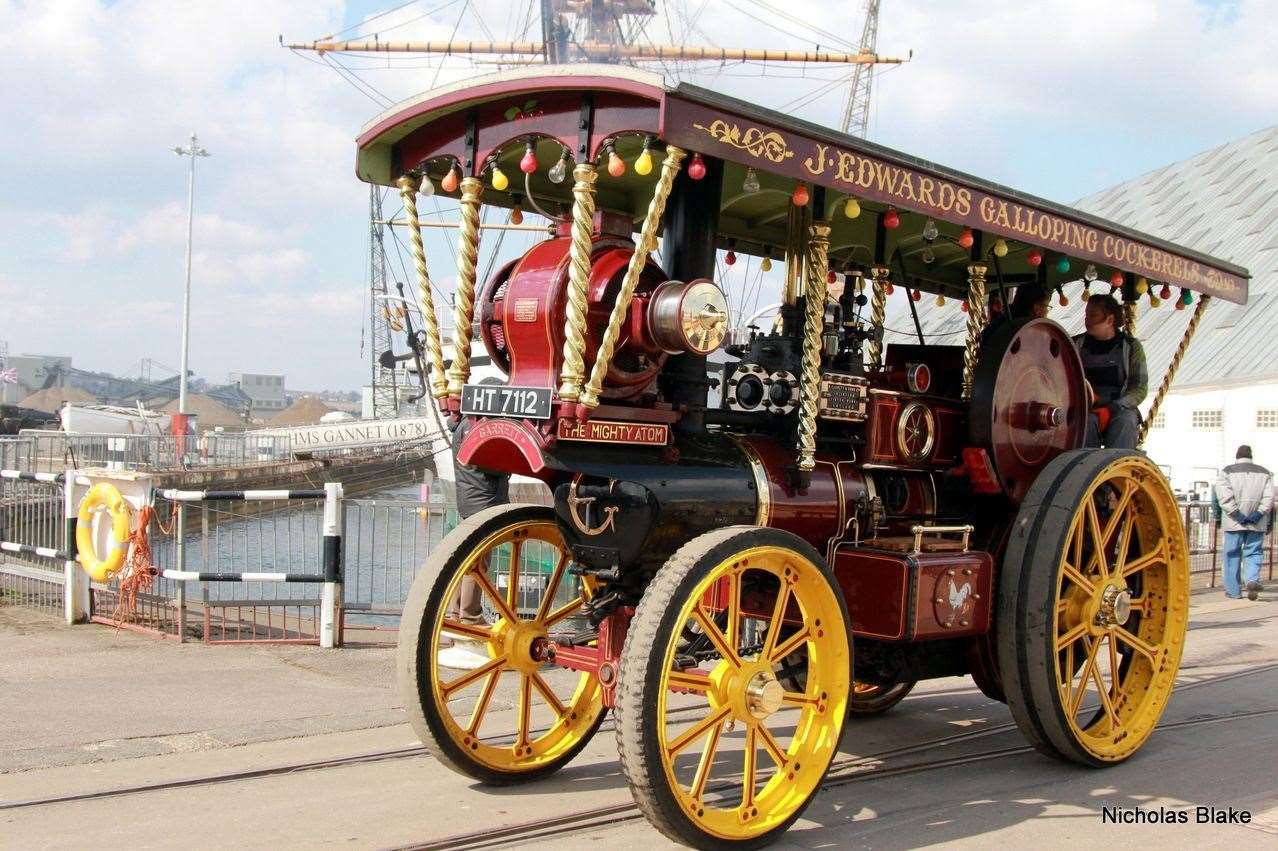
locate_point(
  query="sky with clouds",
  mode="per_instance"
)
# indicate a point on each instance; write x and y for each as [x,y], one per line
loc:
[1056,98]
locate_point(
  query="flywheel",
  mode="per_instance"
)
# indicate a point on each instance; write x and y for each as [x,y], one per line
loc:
[1028,401]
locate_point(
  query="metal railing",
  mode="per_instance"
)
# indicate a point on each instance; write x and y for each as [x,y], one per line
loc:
[45,451]
[37,546]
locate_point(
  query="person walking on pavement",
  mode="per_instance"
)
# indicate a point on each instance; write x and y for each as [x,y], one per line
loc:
[1246,495]
[477,490]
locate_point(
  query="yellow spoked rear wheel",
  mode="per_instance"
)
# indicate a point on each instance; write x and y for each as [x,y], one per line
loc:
[1094,606]
[717,750]
[511,718]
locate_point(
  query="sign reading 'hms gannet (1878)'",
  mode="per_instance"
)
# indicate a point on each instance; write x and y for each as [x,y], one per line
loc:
[944,196]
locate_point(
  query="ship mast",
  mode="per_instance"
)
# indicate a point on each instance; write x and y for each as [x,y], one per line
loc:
[856,115]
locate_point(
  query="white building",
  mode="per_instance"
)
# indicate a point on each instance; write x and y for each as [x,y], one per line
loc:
[266,392]
[1198,429]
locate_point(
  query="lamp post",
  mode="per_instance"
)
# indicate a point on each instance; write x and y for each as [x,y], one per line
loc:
[192,150]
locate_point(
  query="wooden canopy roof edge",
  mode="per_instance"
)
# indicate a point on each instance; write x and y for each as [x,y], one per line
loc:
[715,124]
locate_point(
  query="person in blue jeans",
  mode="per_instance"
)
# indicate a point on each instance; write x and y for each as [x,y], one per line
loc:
[1245,492]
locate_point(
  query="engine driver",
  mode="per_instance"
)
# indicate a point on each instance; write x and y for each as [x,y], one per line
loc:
[1114,364]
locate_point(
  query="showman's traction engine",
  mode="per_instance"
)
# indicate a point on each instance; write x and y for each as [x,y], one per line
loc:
[758,533]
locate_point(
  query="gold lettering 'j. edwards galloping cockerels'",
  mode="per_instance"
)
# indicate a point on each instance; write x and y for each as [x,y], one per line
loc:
[740,580]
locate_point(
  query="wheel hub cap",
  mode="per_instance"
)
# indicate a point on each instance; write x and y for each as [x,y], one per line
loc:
[763,695]
[1115,606]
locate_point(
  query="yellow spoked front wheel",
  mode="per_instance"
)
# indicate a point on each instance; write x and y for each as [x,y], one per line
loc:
[502,717]
[717,750]
[1094,605]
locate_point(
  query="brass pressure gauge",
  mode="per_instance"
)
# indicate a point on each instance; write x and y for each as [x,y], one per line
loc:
[688,317]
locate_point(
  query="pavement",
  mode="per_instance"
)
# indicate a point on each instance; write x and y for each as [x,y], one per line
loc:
[89,709]
[74,695]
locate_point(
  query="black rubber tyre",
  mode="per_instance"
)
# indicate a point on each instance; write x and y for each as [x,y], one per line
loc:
[417,644]
[1027,619]
[643,667]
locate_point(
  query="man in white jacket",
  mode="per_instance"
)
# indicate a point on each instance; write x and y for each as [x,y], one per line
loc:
[1245,492]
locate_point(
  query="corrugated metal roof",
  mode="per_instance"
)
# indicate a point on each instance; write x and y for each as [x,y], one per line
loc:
[1222,202]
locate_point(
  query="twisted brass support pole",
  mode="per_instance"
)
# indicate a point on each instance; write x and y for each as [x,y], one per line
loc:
[621,308]
[976,320]
[878,313]
[1172,368]
[408,186]
[796,241]
[1129,316]
[573,372]
[464,299]
[813,323]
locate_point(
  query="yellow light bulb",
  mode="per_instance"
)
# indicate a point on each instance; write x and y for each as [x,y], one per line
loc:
[851,209]
[1142,286]
[643,165]
[940,300]
[499,179]
[766,265]
[1000,248]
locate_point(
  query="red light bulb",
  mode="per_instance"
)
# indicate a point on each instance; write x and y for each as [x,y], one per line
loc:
[528,164]
[963,306]
[616,165]
[697,168]
[1116,279]
[966,239]
[831,277]
[891,219]
[888,288]
[449,183]
[1165,292]
[1062,300]
[916,294]
[1035,257]
[730,258]
[800,196]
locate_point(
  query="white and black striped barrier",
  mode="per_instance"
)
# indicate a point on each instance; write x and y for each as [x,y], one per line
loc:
[42,552]
[330,577]
[19,475]
[197,576]
[174,495]
[75,582]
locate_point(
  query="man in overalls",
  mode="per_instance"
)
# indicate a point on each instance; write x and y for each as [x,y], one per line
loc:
[1114,363]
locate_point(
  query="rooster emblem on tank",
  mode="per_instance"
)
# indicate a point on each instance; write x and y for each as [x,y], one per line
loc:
[954,601]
